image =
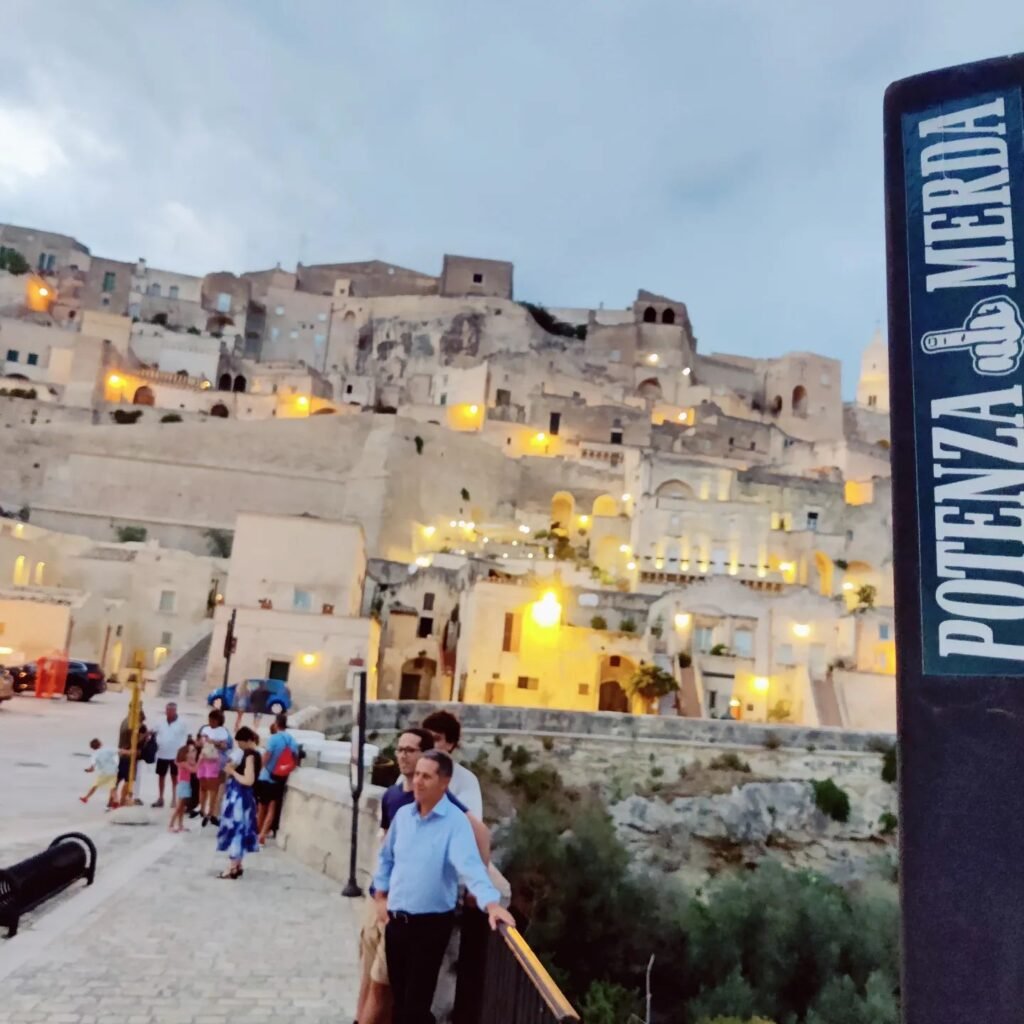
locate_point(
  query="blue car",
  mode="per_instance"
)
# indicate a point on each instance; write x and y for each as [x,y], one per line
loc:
[257,696]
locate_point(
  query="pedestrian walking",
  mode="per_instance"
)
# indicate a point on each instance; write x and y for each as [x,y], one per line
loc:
[103,764]
[171,735]
[428,850]
[186,762]
[237,834]
[214,741]
[282,758]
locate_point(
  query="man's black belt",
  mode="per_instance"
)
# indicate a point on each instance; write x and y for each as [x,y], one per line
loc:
[401,917]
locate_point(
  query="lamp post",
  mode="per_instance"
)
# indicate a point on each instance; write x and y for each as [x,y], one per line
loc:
[356,774]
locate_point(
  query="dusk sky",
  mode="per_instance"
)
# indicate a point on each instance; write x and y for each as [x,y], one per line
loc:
[725,153]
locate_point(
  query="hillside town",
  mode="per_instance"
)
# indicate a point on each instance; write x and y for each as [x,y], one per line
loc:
[420,475]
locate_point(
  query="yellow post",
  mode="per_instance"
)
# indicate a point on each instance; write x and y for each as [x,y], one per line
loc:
[133,723]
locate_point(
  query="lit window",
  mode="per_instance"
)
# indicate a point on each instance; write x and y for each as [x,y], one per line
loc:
[40,572]
[167,600]
[302,600]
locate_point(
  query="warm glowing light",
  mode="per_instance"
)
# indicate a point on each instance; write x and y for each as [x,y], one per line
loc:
[515,543]
[624,549]
[487,540]
[584,520]
[206,385]
[626,497]
[761,684]
[786,567]
[530,555]
[682,620]
[540,437]
[43,292]
[302,401]
[686,371]
[452,523]
[429,531]
[470,525]
[115,381]
[547,611]
[462,524]
[309,660]
[6,650]
[682,417]
[631,566]
[801,629]
[504,554]
[19,529]
[523,528]
[423,561]
[652,358]
[847,585]
[474,409]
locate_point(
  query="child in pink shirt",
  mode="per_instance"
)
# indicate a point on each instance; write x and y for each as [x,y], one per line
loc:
[186,762]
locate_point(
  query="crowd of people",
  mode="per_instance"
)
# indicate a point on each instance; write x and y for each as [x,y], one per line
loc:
[228,782]
[435,848]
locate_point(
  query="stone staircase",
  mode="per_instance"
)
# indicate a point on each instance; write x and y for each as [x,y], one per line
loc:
[186,675]
[826,702]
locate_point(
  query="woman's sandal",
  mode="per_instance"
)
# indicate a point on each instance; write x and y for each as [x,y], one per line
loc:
[231,873]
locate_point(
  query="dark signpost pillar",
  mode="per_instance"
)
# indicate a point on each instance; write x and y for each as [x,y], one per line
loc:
[954,166]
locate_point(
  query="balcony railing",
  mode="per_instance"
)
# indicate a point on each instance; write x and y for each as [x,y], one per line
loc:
[501,981]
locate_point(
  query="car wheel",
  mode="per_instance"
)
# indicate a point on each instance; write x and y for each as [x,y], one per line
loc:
[75,692]
[276,708]
[218,703]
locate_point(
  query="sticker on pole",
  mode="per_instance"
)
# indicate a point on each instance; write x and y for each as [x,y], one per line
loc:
[964,180]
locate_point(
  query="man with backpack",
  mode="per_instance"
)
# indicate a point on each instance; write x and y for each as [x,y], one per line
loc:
[282,758]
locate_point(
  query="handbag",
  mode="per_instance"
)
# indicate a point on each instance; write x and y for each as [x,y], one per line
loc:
[148,753]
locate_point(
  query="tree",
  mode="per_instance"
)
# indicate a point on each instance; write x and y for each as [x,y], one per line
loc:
[13,262]
[652,683]
[866,595]
[598,622]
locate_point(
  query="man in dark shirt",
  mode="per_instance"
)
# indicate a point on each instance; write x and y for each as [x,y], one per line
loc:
[375,1004]
[125,744]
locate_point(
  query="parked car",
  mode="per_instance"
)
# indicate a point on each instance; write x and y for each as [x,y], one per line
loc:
[269,695]
[6,684]
[84,680]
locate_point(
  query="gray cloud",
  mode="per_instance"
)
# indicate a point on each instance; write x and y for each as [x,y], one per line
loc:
[725,152]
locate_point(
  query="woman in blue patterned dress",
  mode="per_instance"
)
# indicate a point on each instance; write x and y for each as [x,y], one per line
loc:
[237,834]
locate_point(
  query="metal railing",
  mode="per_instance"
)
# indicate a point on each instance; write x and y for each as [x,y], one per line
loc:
[501,981]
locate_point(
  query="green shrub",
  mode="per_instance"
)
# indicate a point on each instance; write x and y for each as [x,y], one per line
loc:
[519,757]
[832,801]
[548,743]
[126,415]
[131,534]
[888,823]
[170,417]
[729,762]
[720,649]
[652,683]
[772,741]
[607,1003]
[627,625]
[598,622]
[890,766]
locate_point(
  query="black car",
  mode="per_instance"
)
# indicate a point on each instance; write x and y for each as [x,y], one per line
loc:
[84,680]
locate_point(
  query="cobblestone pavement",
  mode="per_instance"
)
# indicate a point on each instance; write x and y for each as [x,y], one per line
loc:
[159,939]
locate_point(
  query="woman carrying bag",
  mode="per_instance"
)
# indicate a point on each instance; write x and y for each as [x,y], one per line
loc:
[237,834]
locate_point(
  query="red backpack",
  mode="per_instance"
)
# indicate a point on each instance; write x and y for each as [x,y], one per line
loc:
[286,763]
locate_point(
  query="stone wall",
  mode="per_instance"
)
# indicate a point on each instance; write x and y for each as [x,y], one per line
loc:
[600,728]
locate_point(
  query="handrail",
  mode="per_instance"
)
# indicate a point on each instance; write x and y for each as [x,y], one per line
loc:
[542,981]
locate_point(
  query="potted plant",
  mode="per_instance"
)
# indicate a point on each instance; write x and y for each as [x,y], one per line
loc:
[385,768]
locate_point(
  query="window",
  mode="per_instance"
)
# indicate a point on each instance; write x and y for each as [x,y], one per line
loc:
[883,631]
[478,279]
[134,310]
[154,289]
[33,359]
[785,654]
[614,356]
[274,334]
[42,261]
[165,640]
[428,602]
[444,399]
[510,638]
[319,339]
[167,600]
[322,317]
[502,397]
[302,600]
[425,627]
[615,661]
[554,423]
[872,401]
[279,310]
[109,281]
[616,435]
[812,521]
[528,683]
[172,292]
[12,355]
[712,699]
[743,643]
[348,389]
[703,638]
[293,334]
[583,689]
[223,302]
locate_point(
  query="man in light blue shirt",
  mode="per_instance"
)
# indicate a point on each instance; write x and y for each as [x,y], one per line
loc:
[429,848]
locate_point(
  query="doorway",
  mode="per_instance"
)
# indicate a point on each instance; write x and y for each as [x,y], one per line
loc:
[612,697]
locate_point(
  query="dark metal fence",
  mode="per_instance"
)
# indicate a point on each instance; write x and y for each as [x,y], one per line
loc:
[501,981]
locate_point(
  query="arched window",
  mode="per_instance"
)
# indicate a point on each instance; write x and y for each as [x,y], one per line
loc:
[20,577]
[144,396]
[669,316]
[239,384]
[799,400]
[224,382]
[40,573]
[650,315]
[221,410]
